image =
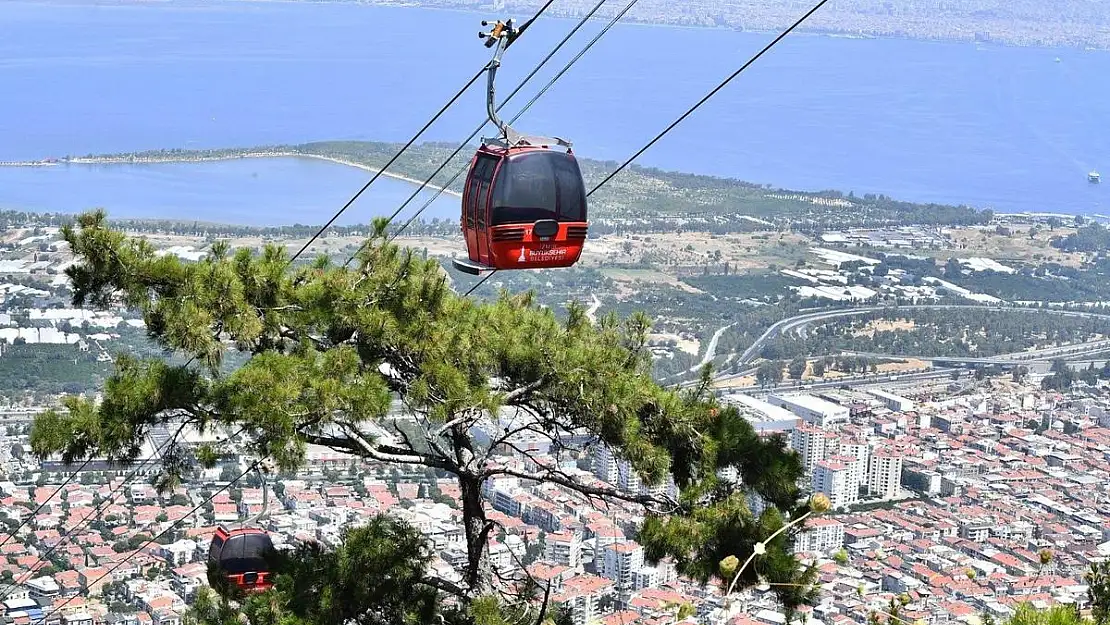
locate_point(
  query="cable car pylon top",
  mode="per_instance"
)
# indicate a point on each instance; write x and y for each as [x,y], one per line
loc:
[500,37]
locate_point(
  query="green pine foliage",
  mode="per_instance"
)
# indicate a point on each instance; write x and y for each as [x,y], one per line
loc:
[328,349]
[1098,591]
[1026,614]
[375,577]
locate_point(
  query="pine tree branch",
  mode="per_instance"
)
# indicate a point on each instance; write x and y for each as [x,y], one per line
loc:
[464,449]
[433,441]
[359,446]
[511,397]
[441,430]
[445,586]
[420,457]
[558,477]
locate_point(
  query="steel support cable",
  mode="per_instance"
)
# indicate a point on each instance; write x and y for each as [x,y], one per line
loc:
[411,141]
[480,283]
[389,163]
[709,95]
[690,111]
[442,188]
[674,124]
[42,505]
[348,204]
[96,513]
[155,539]
[520,113]
[598,186]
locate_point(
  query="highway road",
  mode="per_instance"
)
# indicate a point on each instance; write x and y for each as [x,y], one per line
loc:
[710,350]
[793,323]
[1066,352]
[591,312]
[883,379]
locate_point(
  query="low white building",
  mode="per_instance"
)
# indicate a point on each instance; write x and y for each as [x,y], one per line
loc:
[812,409]
[893,402]
[763,416]
[178,553]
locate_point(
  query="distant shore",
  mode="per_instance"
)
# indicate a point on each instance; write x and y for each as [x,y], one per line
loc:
[1021,34]
[195,158]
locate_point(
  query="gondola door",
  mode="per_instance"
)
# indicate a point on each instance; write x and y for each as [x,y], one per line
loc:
[485,169]
[470,212]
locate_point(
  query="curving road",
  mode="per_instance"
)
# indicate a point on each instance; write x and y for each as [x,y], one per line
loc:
[711,349]
[791,324]
[591,312]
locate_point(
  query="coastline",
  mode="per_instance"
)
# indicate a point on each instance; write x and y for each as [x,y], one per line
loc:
[158,160]
[891,33]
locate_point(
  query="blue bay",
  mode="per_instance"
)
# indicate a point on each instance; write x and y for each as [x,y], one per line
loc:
[1006,128]
[254,191]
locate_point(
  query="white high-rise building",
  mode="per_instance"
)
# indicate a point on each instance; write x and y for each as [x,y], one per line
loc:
[885,477]
[835,479]
[813,444]
[604,464]
[627,479]
[563,548]
[647,577]
[861,451]
[620,561]
[821,535]
[620,473]
[857,477]
[667,488]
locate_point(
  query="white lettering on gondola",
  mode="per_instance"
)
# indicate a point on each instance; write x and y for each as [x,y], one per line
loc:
[544,255]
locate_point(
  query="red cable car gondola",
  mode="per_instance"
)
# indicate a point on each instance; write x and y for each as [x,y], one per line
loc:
[524,203]
[244,555]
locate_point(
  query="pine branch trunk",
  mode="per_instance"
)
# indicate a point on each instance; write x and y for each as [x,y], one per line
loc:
[479,572]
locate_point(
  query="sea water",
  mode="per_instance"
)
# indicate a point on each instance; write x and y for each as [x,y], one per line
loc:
[990,126]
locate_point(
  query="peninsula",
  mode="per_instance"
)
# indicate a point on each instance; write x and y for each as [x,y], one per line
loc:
[171,156]
[641,199]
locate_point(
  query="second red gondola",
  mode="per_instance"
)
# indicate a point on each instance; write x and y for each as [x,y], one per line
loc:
[243,556]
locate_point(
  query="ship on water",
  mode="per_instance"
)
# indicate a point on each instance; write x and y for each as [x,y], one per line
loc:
[1094,177]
